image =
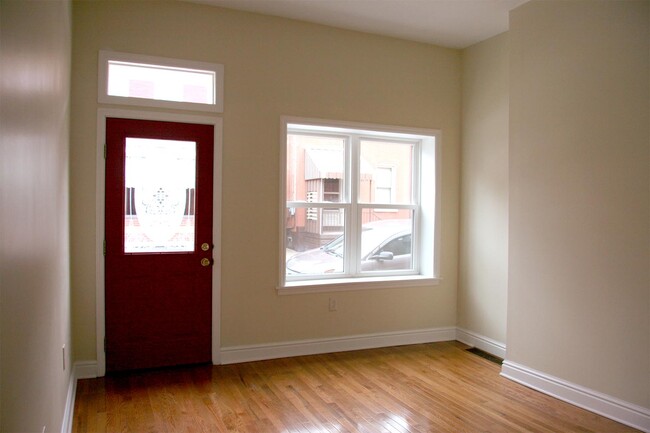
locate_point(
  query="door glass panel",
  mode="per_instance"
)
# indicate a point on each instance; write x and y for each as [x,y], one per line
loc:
[160,183]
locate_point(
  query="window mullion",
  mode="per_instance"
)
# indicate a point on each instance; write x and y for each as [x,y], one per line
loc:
[354,225]
[415,199]
[415,175]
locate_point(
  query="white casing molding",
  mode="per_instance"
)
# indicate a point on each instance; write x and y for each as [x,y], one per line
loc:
[258,352]
[593,401]
[486,344]
[217,122]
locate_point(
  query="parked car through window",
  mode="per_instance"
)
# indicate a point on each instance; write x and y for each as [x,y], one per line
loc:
[385,245]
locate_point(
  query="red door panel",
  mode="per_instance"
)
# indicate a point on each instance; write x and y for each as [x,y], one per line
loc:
[158,302]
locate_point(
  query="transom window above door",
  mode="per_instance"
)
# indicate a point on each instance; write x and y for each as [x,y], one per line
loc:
[133,79]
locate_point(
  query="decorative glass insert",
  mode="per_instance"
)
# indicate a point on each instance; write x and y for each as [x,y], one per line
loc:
[160,183]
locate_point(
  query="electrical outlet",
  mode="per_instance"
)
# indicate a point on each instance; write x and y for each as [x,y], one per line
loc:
[332,304]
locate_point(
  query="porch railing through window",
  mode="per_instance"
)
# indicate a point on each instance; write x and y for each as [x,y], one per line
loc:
[332,220]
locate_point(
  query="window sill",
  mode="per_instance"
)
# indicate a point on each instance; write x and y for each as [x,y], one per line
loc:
[350,284]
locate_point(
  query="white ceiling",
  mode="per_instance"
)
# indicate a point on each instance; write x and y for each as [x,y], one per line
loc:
[449,23]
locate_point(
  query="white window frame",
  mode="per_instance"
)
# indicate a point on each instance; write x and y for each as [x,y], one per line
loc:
[104,98]
[426,217]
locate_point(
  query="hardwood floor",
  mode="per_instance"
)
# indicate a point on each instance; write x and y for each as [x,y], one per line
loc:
[436,387]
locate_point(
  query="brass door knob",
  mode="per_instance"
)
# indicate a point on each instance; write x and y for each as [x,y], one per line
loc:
[205,262]
[205,246]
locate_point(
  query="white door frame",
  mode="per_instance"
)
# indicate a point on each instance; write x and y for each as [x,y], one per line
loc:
[217,122]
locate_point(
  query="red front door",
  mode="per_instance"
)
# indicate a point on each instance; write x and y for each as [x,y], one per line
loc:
[158,262]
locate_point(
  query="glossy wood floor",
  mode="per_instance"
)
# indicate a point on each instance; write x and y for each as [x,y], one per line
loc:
[421,388]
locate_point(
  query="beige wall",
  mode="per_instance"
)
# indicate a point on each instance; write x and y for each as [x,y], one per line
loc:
[34,246]
[483,266]
[273,67]
[579,286]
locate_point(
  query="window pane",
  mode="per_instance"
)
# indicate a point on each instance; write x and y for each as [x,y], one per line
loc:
[386,172]
[315,168]
[160,180]
[386,240]
[160,83]
[315,241]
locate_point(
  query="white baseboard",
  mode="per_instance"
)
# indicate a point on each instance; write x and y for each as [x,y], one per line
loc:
[602,404]
[486,344]
[66,424]
[85,369]
[258,352]
[80,370]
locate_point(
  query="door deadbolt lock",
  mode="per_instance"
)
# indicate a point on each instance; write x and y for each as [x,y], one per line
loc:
[205,262]
[205,246]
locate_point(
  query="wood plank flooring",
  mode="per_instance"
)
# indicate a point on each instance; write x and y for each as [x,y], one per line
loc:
[436,387]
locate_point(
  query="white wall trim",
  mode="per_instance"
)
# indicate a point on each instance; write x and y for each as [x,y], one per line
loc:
[80,370]
[66,424]
[217,122]
[593,401]
[258,352]
[486,344]
[85,369]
